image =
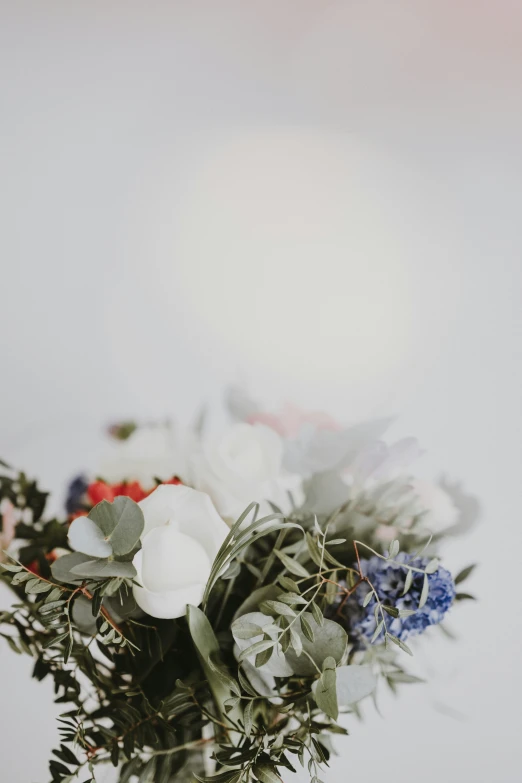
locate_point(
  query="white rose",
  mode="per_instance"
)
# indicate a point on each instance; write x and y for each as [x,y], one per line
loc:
[242,466]
[182,536]
[148,453]
[440,512]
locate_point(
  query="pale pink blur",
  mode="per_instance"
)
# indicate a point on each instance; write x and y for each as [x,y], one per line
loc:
[291,419]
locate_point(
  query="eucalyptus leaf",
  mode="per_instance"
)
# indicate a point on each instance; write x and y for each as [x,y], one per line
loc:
[82,615]
[61,569]
[324,689]
[354,683]
[101,569]
[121,522]
[330,640]
[87,537]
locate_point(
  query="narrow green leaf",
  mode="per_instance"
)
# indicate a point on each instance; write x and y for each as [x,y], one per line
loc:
[314,551]
[296,641]
[432,566]
[408,581]
[403,677]
[21,577]
[462,575]
[256,648]
[248,718]
[377,631]
[35,586]
[292,599]
[265,774]
[218,668]
[317,614]
[331,589]
[281,608]
[207,646]
[263,657]
[288,584]
[425,592]
[399,643]
[11,567]
[49,608]
[292,565]
[307,629]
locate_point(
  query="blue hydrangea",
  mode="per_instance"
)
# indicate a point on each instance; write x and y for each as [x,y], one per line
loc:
[388,579]
[75,492]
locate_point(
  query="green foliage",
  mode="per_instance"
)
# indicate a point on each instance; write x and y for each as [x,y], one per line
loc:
[269,626]
[324,689]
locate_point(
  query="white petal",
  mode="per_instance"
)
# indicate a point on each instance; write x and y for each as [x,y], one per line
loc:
[85,536]
[171,559]
[189,511]
[170,604]
[247,454]
[315,451]
[197,517]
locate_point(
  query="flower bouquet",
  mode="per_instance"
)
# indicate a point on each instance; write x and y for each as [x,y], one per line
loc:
[213,606]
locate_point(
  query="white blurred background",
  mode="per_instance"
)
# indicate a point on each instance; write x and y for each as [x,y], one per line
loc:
[318,199]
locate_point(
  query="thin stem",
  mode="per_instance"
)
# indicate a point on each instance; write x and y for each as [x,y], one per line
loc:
[179,748]
[271,558]
[388,560]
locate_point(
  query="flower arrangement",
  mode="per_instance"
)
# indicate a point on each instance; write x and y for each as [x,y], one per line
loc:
[211,606]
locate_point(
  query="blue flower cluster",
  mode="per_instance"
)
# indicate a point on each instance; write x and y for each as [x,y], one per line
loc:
[388,579]
[75,492]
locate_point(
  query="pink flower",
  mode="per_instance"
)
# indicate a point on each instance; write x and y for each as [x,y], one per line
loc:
[291,419]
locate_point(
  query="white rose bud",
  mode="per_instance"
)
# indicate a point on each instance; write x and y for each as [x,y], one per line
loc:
[243,466]
[182,536]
